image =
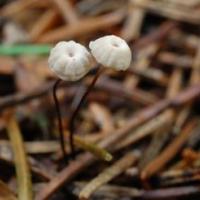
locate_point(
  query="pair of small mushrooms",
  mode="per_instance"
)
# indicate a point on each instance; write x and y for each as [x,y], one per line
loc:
[71,61]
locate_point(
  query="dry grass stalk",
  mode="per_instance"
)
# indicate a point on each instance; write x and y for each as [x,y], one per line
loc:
[133,25]
[155,36]
[114,88]
[162,134]
[157,142]
[108,174]
[179,176]
[24,182]
[45,23]
[66,10]
[169,152]
[92,148]
[16,7]
[141,62]
[175,83]
[89,146]
[171,193]
[190,157]
[154,75]
[112,191]
[36,147]
[175,59]
[170,12]
[164,119]
[194,79]
[82,27]
[116,192]
[102,116]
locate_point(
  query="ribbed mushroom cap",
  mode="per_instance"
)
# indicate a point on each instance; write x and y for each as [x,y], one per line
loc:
[112,52]
[69,60]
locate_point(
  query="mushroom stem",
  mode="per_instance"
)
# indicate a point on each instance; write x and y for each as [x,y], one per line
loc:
[77,109]
[58,113]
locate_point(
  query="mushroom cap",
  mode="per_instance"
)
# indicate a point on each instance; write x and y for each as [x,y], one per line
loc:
[69,60]
[112,52]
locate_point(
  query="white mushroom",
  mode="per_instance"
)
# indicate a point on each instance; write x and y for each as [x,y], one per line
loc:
[70,61]
[112,52]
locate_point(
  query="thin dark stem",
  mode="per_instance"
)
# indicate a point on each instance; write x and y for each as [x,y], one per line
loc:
[61,134]
[77,109]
